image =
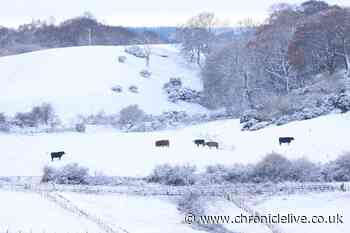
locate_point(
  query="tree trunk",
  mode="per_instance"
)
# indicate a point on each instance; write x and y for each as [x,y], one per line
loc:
[147,60]
[199,57]
[287,85]
[347,64]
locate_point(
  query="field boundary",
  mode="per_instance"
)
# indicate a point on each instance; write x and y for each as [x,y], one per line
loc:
[67,205]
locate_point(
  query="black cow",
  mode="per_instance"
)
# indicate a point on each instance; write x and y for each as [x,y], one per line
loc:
[57,155]
[287,140]
[199,142]
[162,143]
[212,144]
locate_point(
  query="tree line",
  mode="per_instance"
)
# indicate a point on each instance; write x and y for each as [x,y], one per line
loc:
[78,31]
[242,68]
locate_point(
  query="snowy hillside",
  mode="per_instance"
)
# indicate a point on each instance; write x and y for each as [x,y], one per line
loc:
[79,80]
[29,212]
[134,154]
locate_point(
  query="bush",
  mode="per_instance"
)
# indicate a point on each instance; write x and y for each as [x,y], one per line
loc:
[121,59]
[343,102]
[49,174]
[4,124]
[176,176]
[134,89]
[273,167]
[131,115]
[303,170]
[136,51]
[69,174]
[100,118]
[177,93]
[80,127]
[338,170]
[117,89]
[173,83]
[39,115]
[145,73]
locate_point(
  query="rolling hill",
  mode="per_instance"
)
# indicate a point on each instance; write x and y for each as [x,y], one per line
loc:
[79,80]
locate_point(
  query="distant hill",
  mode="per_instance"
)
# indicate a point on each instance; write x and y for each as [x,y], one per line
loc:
[78,31]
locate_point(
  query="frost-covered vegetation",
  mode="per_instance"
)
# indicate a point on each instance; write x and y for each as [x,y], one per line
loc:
[40,116]
[69,174]
[169,175]
[176,92]
[272,168]
[293,67]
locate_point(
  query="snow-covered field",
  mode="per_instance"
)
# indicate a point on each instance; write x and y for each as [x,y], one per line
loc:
[134,154]
[324,204]
[78,80]
[136,214]
[225,208]
[29,212]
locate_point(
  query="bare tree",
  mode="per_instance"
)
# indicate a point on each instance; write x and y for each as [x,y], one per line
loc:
[197,35]
[323,41]
[272,42]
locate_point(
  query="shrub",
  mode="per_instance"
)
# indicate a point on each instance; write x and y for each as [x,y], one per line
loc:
[176,176]
[121,59]
[338,170]
[173,83]
[134,89]
[145,73]
[25,120]
[117,89]
[43,114]
[4,124]
[80,127]
[49,174]
[131,114]
[69,174]
[343,102]
[136,51]
[239,173]
[273,167]
[303,170]
[101,118]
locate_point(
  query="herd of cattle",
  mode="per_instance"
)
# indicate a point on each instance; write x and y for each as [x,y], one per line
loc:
[198,142]
[210,144]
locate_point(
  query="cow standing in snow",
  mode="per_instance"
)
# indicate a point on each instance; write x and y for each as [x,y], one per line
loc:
[212,144]
[199,142]
[287,140]
[57,155]
[162,143]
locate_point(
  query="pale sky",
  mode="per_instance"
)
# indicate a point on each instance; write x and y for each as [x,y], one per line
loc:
[137,12]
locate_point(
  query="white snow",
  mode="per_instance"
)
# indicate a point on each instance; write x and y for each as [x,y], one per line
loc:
[29,212]
[134,154]
[225,208]
[324,204]
[78,80]
[136,214]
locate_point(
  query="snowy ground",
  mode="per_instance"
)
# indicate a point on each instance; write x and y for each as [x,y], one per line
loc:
[78,80]
[324,204]
[225,208]
[136,214]
[29,212]
[134,154]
